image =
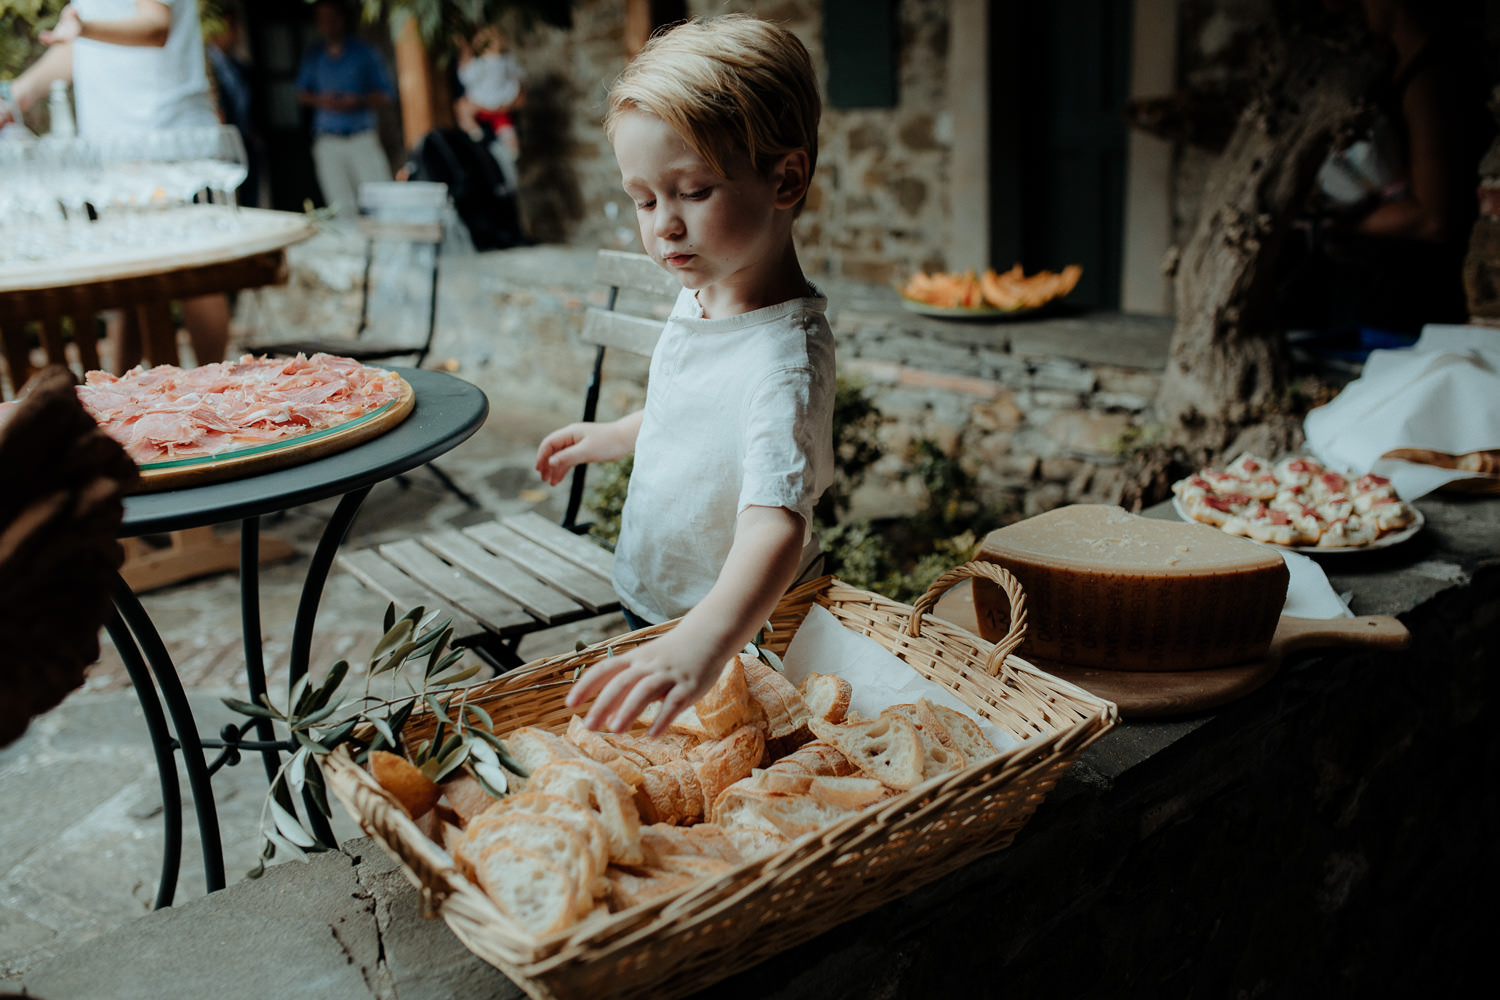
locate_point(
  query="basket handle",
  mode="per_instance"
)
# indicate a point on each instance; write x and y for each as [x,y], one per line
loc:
[996,574]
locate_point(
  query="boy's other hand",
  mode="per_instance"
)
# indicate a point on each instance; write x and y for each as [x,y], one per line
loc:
[673,669]
[578,444]
[68,27]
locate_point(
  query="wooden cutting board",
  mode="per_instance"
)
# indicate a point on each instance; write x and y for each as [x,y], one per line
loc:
[1146,695]
[266,458]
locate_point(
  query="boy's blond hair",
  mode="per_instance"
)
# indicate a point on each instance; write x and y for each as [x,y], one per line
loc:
[726,83]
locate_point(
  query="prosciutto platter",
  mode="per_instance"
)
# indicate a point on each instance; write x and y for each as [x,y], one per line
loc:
[194,425]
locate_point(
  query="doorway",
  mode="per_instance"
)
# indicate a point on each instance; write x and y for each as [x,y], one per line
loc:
[1060,78]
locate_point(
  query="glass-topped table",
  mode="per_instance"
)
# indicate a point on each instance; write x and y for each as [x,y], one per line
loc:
[448,411]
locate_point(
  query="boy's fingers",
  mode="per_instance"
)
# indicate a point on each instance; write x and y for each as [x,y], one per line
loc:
[671,706]
[593,679]
[645,690]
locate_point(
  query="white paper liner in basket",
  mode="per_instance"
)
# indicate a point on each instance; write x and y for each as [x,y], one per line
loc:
[689,940]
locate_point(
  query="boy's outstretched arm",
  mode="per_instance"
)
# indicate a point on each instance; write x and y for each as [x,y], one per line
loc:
[579,443]
[684,663]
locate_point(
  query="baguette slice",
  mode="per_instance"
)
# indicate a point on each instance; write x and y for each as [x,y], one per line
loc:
[815,758]
[754,844]
[596,787]
[546,836]
[792,816]
[939,755]
[774,698]
[827,696]
[887,748]
[533,748]
[466,796]
[584,821]
[536,895]
[852,793]
[630,887]
[962,733]
[722,708]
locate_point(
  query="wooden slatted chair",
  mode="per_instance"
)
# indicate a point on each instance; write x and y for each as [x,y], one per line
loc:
[407,214]
[505,579]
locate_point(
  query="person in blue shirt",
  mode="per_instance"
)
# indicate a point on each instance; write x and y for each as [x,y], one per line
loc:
[344,80]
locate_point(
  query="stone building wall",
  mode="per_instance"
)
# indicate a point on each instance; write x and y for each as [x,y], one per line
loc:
[878,207]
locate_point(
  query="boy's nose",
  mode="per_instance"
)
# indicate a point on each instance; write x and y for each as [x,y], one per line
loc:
[667,223]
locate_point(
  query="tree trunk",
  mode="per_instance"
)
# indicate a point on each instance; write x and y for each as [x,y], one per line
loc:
[1227,360]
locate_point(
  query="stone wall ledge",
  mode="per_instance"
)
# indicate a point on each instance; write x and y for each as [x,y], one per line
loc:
[1319,837]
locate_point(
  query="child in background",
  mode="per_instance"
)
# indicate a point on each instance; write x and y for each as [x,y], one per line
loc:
[714,125]
[494,86]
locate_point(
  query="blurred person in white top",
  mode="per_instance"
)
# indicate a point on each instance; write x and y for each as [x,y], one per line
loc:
[135,66]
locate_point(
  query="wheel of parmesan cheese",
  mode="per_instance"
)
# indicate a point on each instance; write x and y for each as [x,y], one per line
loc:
[1112,590]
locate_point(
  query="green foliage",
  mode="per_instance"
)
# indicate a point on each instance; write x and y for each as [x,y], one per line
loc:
[606,497]
[20,21]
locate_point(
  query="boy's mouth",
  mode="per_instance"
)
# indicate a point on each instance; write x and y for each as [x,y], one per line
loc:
[677,259]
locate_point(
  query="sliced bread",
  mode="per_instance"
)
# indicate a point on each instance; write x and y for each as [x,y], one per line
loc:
[887,748]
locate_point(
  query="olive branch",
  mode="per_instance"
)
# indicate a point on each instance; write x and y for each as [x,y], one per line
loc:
[320,718]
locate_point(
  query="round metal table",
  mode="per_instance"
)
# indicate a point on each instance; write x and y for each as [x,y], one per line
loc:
[448,411]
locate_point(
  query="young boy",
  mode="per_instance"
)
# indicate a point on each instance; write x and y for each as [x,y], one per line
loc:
[714,126]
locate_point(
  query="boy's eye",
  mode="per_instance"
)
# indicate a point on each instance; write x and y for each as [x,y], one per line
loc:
[641,206]
[698,195]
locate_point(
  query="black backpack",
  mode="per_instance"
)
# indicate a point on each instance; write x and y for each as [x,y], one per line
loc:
[475,184]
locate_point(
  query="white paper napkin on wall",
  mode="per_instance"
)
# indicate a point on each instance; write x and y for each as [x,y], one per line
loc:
[1442,394]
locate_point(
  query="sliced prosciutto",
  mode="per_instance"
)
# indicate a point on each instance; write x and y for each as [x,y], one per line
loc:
[168,413]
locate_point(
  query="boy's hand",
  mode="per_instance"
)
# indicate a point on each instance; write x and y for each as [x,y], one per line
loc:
[68,27]
[676,668]
[578,444]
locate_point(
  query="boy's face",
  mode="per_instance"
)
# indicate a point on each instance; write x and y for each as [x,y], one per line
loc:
[716,234]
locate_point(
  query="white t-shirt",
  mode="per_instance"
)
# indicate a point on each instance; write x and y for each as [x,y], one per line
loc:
[131,88]
[739,413]
[492,80]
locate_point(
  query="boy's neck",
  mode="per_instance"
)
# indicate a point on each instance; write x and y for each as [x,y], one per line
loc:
[779,280]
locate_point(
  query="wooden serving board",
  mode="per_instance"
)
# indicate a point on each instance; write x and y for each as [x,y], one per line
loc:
[1156,695]
[280,454]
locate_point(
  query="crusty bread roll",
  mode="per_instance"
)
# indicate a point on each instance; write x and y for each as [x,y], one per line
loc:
[413,791]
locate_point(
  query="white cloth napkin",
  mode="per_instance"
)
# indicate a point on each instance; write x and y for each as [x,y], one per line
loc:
[1442,394]
[1308,592]
[879,678]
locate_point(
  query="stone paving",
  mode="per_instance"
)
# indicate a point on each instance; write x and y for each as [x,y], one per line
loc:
[80,844]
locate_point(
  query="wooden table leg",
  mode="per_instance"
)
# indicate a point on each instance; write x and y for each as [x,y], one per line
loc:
[17,351]
[191,553]
[158,332]
[86,340]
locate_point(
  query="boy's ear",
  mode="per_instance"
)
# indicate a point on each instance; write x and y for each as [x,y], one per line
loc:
[792,177]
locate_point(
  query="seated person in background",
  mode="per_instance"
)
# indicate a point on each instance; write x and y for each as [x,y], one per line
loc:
[1394,210]
[494,85]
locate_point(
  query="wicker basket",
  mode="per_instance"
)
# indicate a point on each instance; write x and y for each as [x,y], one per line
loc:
[683,943]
